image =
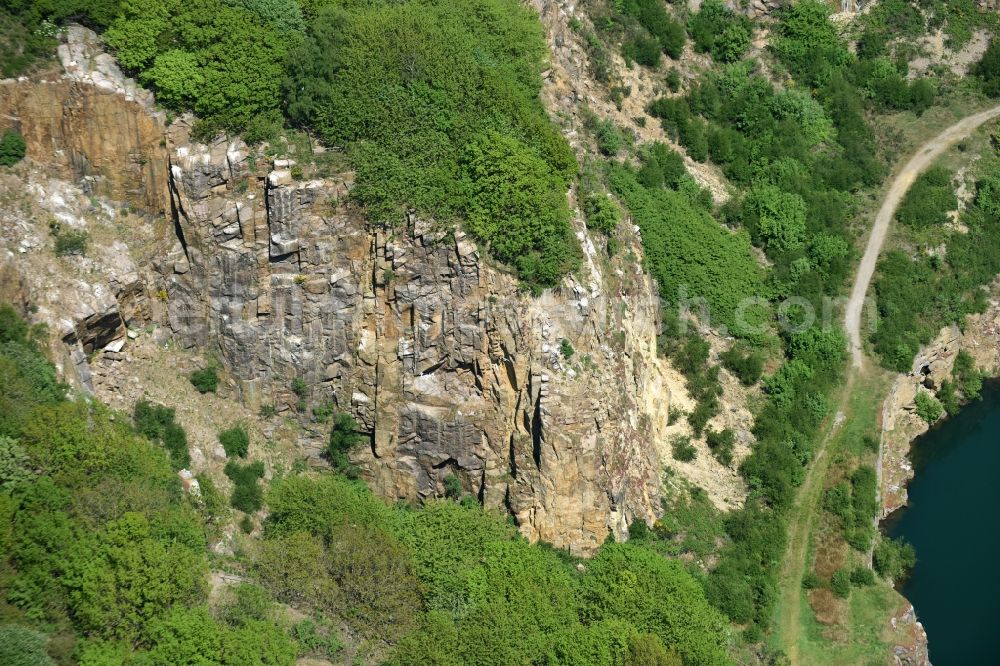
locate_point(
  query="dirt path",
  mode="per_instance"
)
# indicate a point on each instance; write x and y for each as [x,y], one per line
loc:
[923,158]
[793,567]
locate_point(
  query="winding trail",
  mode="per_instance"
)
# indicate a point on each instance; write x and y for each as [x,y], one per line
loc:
[794,564]
[924,157]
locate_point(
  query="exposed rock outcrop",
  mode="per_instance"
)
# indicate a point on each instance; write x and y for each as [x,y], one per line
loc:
[92,125]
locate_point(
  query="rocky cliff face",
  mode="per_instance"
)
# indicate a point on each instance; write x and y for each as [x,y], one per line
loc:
[448,367]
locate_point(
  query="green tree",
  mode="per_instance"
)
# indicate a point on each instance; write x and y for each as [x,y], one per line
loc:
[778,218]
[840,583]
[294,567]
[893,558]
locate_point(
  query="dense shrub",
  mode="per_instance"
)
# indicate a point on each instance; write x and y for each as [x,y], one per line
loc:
[519,208]
[862,576]
[929,200]
[807,42]
[682,449]
[686,249]
[893,558]
[928,408]
[988,69]
[157,423]
[247,494]
[217,58]
[747,365]
[205,380]
[70,242]
[721,444]
[12,148]
[344,438]
[658,597]
[412,114]
[235,442]
[718,30]
[840,583]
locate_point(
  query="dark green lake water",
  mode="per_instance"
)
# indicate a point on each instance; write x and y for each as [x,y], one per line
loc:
[952,520]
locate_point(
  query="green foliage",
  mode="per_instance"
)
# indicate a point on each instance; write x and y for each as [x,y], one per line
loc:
[988,69]
[928,408]
[235,442]
[518,206]
[682,449]
[293,567]
[374,572]
[808,43]
[299,387]
[445,121]
[662,167]
[15,466]
[718,30]
[220,59]
[316,639]
[157,423]
[811,581]
[566,349]
[601,212]
[247,494]
[862,576]
[685,247]
[303,504]
[928,200]
[193,636]
[12,148]
[776,218]
[70,242]
[721,444]
[657,596]
[285,15]
[969,379]
[893,558]
[840,583]
[916,297]
[102,546]
[745,364]
[205,380]
[644,50]
[120,578]
[452,487]
[24,41]
[20,646]
[344,438]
